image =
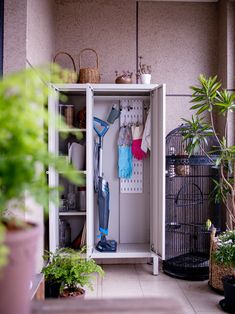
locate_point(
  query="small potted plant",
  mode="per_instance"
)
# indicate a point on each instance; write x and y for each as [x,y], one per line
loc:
[71,271]
[210,100]
[24,159]
[225,255]
[144,72]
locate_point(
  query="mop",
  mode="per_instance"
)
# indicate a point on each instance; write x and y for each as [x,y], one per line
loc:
[104,245]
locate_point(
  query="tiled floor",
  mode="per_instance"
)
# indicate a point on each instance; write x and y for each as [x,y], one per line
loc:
[136,280]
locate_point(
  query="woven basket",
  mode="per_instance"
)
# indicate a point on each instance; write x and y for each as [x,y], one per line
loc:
[68,76]
[217,271]
[89,75]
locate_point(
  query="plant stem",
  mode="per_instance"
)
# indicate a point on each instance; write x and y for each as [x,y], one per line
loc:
[213,127]
[231,213]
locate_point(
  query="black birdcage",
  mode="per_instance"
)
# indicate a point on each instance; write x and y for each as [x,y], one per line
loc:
[189,183]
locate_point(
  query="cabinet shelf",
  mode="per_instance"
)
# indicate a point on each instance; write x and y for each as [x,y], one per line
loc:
[76,171]
[74,213]
[69,130]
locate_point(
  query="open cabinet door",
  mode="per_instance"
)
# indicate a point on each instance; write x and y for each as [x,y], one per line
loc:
[90,170]
[158,170]
[53,177]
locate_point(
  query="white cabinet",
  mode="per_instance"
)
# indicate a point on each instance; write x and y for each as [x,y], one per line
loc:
[137,220]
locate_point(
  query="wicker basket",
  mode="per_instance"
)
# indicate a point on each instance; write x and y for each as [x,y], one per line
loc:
[68,76]
[89,75]
[217,271]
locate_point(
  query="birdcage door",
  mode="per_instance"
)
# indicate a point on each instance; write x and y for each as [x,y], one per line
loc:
[158,171]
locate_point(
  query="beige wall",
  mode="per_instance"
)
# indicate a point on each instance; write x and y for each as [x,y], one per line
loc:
[107,26]
[40,31]
[179,40]
[15,24]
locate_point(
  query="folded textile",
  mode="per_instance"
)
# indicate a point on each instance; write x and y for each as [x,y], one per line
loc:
[146,138]
[124,162]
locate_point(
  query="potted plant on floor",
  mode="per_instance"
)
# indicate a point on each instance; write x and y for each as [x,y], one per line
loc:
[209,102]
[24,159]
[225,255]
[71,271]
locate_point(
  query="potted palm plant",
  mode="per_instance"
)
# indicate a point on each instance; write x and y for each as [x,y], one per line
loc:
[210,100]
[24,159]
[70,271]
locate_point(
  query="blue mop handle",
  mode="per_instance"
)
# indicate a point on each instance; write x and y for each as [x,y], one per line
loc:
[105,125]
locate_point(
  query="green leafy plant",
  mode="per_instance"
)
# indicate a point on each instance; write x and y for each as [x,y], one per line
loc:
[70,269]
[209,101]
[24,155]
[225,252]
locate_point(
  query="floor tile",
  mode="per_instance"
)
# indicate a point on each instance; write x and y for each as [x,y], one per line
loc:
[199,294]
[136,280]
[145,273]
[167,289]
[121,289]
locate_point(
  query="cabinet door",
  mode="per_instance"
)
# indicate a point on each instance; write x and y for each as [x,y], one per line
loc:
[158,170]
[52,175]
[90,170]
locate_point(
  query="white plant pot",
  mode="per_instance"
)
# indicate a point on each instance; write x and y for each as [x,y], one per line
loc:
[145,78]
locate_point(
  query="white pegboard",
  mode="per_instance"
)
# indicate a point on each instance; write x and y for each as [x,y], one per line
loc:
[132,112]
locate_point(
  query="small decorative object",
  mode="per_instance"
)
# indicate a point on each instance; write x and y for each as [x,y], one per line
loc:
[89,75]
[124,78]
[81,117]
[71,270]
[67,76]
[69,115]
[81,198]
[64,204]
[144,72]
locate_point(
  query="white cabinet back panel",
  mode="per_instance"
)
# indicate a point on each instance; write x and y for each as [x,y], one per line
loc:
[135,212]
[101,110]
[129,212]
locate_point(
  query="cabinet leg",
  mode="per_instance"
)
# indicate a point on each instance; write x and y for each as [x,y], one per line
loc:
[155,265]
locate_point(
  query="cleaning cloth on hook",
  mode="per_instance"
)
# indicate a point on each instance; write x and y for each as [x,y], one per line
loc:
[137,132]
[124,162]
[146,138]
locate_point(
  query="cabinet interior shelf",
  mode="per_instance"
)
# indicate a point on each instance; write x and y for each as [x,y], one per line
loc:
[80,213]
[76,171]
[69,130]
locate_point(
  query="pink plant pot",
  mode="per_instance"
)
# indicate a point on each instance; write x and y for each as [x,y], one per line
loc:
[16,276]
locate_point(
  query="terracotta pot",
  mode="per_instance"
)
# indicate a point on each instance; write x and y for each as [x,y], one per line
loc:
[80,293]
[16,276]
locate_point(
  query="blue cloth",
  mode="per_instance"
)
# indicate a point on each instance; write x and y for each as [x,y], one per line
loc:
[124,162]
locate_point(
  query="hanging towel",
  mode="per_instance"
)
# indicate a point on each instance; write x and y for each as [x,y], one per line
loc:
[124,153]
[146,139]
[137,132]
